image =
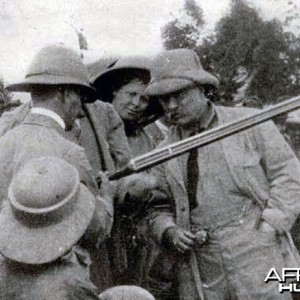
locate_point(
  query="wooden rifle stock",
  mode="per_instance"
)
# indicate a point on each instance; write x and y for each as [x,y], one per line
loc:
[157,156]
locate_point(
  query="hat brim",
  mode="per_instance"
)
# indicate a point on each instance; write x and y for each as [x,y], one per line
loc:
[39,245]
[167,86]
[183,80]
[29,84]
[105,82]
[131,64]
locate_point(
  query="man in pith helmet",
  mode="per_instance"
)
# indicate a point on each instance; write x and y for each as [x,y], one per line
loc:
[58,83]
[232,202]
[100,131]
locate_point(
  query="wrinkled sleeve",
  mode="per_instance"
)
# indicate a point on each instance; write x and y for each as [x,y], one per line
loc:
[161,216]
[282,169]
[101,223]
[77,157]
[13,118]
[117,140]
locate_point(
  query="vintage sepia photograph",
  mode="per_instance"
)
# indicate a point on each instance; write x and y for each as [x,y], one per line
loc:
[150,150]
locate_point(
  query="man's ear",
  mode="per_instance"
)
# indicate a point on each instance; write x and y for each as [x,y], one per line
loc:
[61,93]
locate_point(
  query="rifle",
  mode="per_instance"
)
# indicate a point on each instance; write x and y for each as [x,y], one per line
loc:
[158,156]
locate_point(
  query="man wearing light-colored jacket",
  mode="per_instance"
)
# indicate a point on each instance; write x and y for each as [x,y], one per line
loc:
[57,80]
[247,192]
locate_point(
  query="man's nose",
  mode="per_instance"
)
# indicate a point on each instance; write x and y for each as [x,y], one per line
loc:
[172,104]
[136,100]
[80,112]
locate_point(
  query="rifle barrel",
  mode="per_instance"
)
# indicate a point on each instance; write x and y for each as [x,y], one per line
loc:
[160,155]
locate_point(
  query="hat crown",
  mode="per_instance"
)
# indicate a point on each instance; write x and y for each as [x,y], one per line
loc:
[117,66]
[175,63]
[44,215]
[133,62]
[59,61]
[43,185]
[177,69]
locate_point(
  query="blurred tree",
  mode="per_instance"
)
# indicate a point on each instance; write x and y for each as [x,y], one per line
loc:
[184,32]
[252,57]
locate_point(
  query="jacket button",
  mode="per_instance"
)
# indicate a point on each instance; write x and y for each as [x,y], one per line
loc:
[183,209]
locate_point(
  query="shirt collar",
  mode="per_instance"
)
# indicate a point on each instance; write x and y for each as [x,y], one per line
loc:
[49,113]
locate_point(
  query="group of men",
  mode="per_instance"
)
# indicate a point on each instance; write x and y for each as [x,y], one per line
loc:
[209,224]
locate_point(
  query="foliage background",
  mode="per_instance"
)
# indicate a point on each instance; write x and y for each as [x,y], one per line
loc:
[252,56]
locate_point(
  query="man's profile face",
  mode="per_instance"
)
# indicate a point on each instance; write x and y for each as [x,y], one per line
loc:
[129,101]
[185,107]
[71,107]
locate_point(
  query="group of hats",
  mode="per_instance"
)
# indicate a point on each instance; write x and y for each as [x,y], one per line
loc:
[169,71]
[56,65]
[46,201]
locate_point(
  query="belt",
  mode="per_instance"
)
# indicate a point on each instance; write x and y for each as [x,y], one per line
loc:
[237,220]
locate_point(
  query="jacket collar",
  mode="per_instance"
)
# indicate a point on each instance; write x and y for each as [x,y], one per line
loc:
[49,113]
[44,121]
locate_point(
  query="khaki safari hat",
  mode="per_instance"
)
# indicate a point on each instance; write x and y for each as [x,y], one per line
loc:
[111,78]
[46,213]
[175,70]
[56,65]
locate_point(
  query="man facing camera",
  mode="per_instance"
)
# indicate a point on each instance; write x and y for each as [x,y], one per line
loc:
[232,202]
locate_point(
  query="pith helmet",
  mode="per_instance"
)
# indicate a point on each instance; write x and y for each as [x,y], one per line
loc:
[175,70]
[56,65]
[46,213]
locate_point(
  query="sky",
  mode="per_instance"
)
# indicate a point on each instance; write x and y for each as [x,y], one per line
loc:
[112,27]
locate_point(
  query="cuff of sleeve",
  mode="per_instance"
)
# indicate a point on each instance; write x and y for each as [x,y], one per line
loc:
[160,227]
[276,218]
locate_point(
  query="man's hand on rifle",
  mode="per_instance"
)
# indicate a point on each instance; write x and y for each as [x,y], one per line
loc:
[182,240]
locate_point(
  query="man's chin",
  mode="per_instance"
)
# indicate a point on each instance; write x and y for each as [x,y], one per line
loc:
[131,117]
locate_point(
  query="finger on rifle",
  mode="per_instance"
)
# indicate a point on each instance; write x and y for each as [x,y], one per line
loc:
[103,177]
[189,235]
[186,240]
[182,247]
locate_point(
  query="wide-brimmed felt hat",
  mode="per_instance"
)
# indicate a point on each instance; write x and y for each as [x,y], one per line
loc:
[56,65]
[107,79]
[95,68]
[174,70]
[46,213]
[112,77]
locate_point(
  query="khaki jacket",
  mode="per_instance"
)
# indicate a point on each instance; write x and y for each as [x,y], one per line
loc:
[41,136]
[261,164]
